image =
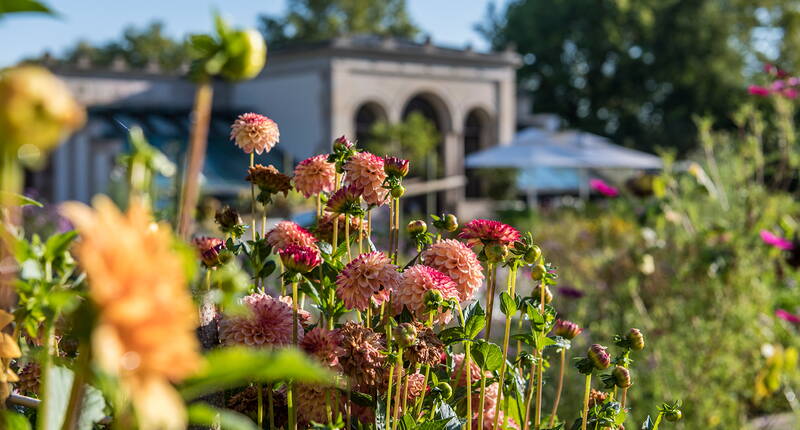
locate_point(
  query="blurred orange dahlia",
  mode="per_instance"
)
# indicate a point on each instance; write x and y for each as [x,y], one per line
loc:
[369,277]
[315,175]
[416,281]
[290,233]
[457,261]
[365,171]
[254,132]
[145,333]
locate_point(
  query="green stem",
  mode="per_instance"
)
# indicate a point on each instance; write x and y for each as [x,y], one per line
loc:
[271,408]
[253,199]
[295,325]
[467,357]
[78,390]
[389,398]
[658,420]
[539,371]
[421,400]
[481,401]
[260,400]
[529,397]
[559,387]
[291,407]
[490,299]
[585,415]
[398,388]
[506,334]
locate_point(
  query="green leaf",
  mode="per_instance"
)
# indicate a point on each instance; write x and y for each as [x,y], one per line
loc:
[56,397]
[476,320]
[57,244]
[237,366]
[267,269]
[451,335]
[507,304]
[447,414]
[407,422]
[13,421]
[18,6]
[20,199]
[204,415]
[492,356]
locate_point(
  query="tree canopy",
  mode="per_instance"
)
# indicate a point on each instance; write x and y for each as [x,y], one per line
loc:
[313,20]
[638,71]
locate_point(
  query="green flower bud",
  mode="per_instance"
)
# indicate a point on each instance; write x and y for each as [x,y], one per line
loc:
[622,377]
[433,299]
[405,334]
[445,389]
[532,254]
[538,272]
[673,415]
[398,191]
[537,293]
[450,223]
[496,252]
[636,338]
[248,54]
[416,227]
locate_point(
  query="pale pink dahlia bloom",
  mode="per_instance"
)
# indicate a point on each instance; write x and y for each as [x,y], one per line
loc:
[288,233]
[488,421]
[417,280]
[268,323]
[313,405]
[487,231]
[459,375]
[254,132]
[369,277]
[324,345]
[457,261]
[315,175]
[416,386]
[303,316]
[365,171]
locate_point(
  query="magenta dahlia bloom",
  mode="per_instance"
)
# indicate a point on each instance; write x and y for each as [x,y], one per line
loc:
[324,345]
[488,231]
[254,132]
[369,277]
[774,240]
[365,171]
[457,261]
[394,166]
[315,175]
[757,90]
[417,280]
[300,259]
[289,233]
[267,323]
[346,200]
[209,249]
[603,188]
[787,316]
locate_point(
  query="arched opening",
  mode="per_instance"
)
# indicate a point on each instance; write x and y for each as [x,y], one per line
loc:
[476,138]
[435,111]
[367,115]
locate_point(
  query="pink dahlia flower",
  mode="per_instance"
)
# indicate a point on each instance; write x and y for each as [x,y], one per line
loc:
[603,188]
[314,400]
[457,261]
[459,375]
[315,175]
[488,420]
[394,166]
[369,277]
[299,259]
[756,90]
[303,316]
[486,231]
[365,171]
[254,132]
[324,345]
[778,242]
[268,323]
[288,233]
[417,280]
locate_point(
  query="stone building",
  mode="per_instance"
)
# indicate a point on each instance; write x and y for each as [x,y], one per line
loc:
[315,92]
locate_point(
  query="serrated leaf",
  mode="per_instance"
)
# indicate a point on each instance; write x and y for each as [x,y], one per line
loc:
[451,335]
[507,304]
[492,356]
[205,415]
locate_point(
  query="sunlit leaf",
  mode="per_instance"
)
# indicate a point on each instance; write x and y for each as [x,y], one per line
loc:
[204,415]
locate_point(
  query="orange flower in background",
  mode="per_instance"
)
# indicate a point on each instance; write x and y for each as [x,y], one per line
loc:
[9,350]
[145,333]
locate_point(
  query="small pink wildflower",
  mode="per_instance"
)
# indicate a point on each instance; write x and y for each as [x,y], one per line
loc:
[603,188]
[778,242]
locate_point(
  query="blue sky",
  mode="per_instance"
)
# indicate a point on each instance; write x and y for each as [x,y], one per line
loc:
[450,22]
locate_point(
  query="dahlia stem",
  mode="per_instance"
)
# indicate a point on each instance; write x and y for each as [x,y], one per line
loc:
[336,216]
[624,396]
[511,275]
[481,401]
[405,393]
[490,299]
[78,390]
[319,206]
[468,372]
[396,228]
[360,235]
[391,228]
[559,387]
[505,412]
[271,408]
[421,400]
[586,394]
[389,398]
[529,397]
[658,420]
[260,400]
[289,399]
[347,237]
[369,223]
[328,409]
[399,388]
[253,199]
[292,410]
[540,370]
[201,115]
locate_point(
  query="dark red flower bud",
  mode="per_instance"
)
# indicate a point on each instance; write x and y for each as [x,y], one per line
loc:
[622,377]
[598,355]
[567,329]
[299,259]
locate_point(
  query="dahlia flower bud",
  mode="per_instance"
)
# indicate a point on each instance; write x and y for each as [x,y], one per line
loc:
[636,339]
[496,252]
[405,334]
[254,132]
[566,329]
[342,144]
[209,249]
[229,221]
[537,293]
[398,191]
[433,299]
[599,356]
[299,259]
[347,200]
[248,59]
[538,272]
[445,390]
[450,223]
[416,227]
[673,415]
[622,377]
[533,254]
[394,166]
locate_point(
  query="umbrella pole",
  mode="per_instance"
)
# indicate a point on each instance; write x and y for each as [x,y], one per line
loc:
[584,184]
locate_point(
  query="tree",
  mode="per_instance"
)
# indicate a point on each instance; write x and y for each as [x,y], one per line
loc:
[637,71]
[416,137]
[314,20]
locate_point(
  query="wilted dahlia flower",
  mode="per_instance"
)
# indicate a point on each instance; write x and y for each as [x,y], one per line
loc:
[314,401]
[269,323]
[254,132]
[299,259]
[428,349]
[324,345]
[457,261]
[363,360]
[417,280]
[315,175]
[365,171]
[488,231]
[369,277]
[209,249]
[269,181]
[145,332]
[289,233]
